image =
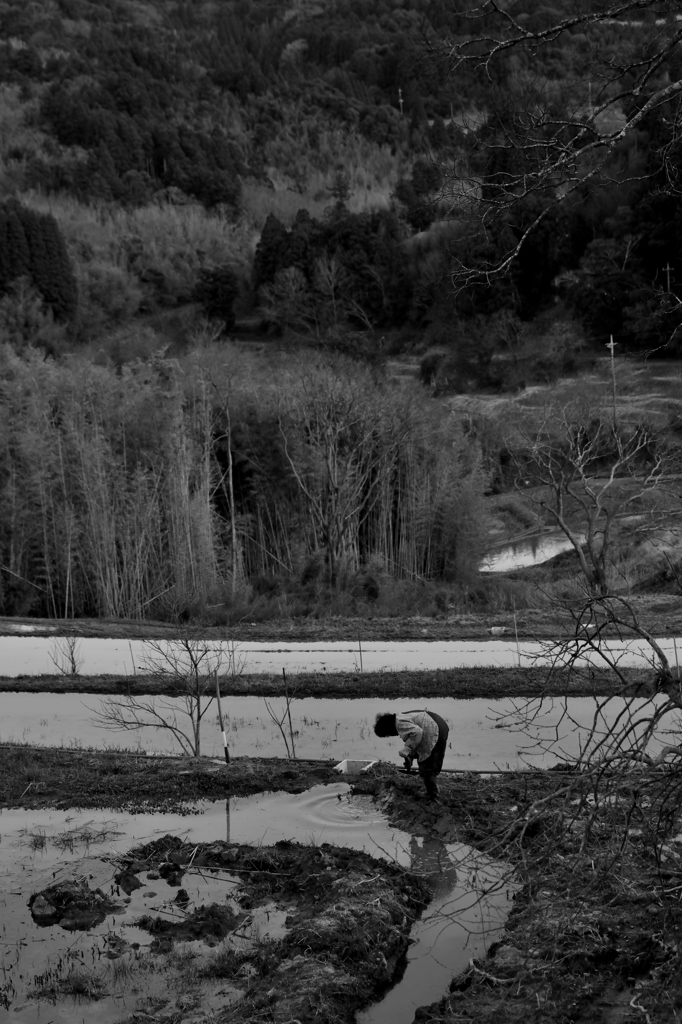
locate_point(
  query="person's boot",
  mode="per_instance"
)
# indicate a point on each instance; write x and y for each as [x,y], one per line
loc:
[431,787]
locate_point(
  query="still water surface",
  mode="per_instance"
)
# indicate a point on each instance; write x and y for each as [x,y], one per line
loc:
[526,551]
[454,927]
[34,655]
[484,734]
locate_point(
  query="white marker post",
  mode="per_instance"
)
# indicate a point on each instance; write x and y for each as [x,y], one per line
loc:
[220,719]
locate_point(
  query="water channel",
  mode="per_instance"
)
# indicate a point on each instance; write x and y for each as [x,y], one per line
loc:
[526,551]
[471,897]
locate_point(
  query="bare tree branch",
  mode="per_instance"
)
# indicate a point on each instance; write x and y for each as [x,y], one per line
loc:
[189,668]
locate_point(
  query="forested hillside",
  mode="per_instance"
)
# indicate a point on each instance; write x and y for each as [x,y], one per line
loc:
[344,182]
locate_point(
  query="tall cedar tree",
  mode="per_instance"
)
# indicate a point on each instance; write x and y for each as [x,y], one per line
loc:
[31,245]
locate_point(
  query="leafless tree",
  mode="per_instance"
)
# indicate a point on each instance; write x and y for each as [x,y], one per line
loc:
[594,479]
[281,716]
[594,476]
[188,671]
[288,302]
[547,135]
[339,444]
[65,655]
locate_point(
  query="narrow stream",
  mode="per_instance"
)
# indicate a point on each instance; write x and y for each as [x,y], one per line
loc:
[38,847]
[526,551]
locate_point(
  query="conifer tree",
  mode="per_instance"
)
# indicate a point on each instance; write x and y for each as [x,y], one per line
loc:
[19,257]
[271,251]
[5,261]
[53,274]
[32,246]
[216,289]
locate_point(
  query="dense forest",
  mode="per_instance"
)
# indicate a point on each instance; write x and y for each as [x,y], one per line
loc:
[320,178]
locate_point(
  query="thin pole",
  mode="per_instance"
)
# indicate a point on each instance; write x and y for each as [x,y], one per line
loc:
[516,633]
[612,346]
[288,700]
[220,719]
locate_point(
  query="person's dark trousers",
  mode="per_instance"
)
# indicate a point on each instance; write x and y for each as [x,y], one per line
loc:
[431,766]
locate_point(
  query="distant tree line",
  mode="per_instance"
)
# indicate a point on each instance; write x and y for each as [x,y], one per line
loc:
[144,492]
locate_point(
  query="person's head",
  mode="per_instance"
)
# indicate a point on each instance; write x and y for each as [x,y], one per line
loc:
[385,726]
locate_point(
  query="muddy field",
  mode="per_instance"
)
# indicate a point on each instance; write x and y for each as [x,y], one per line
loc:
[592,936]
[591,862]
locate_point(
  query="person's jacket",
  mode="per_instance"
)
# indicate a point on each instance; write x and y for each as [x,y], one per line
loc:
[419,733]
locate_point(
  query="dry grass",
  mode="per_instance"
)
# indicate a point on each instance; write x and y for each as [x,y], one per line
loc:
[85,834]
[649,393]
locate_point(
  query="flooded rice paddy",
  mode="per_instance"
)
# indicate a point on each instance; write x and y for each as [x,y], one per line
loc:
[40,847]
[526,551]
[40,655]
[484,734]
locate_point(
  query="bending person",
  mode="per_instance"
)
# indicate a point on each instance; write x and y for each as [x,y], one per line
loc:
[424,735]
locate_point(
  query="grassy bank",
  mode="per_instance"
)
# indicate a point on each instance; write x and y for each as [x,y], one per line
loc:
[34,777]
[660,612]
[461,683]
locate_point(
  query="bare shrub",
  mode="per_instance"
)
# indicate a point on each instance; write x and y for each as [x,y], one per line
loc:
[189,670]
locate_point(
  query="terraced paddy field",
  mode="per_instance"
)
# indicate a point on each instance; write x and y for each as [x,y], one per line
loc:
[276,889]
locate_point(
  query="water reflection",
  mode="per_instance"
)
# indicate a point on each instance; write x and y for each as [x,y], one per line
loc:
[323,814]
[470,901]
[484,734]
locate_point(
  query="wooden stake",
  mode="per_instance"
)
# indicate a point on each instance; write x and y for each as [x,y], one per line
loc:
[287,699]
[220,719]
[516,633]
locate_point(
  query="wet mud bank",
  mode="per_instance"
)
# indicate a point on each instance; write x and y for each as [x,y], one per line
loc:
[346,925]
[594,935]
[594,877]
[34,777]
[464,683]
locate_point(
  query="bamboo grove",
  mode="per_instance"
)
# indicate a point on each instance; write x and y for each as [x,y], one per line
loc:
[162,487]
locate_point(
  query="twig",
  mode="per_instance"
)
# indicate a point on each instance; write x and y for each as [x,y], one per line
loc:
[637,1006]
[491,977]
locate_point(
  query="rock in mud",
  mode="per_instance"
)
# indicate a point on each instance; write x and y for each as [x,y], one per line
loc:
[72,904]
[128,881]
[43,910]
[182,899]
[172,873]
